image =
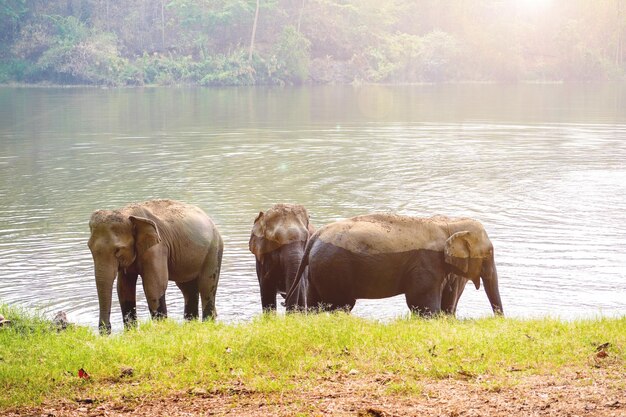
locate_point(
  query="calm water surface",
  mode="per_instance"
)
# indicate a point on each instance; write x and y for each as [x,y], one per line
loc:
[543,167]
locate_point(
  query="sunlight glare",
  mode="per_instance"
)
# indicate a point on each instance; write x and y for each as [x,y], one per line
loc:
[533,5]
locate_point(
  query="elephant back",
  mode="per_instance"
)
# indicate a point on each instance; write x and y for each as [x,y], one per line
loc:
[382,233]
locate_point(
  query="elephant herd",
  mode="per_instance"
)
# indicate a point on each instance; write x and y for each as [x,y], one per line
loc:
[429,260]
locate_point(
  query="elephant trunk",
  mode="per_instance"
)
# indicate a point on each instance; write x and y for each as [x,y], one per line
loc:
[296,299]
[490,280]
[296,296]
[292,262]
[105,275]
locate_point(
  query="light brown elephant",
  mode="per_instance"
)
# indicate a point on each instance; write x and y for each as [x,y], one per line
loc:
[383,255]
[277,241]
[160,240]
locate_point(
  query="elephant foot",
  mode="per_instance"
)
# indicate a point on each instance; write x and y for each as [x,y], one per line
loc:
[191,309]
[269,308]
[209,313]
[191,316]
[104,329]
[129,314]
[130,324]
[425,312]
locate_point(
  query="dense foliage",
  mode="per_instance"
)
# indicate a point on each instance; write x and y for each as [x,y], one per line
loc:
[245,42]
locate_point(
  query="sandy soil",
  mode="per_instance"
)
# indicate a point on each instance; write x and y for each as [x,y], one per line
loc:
[595,392]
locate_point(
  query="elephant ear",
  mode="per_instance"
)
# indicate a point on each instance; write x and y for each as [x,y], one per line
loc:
[257,241]
[458,253]
[146,233]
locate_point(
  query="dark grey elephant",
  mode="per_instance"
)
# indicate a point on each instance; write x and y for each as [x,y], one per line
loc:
[383,255]
[277,241]
[160,240]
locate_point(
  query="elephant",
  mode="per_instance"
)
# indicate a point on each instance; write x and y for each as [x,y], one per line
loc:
[277,241]
[429,260]
[160,240]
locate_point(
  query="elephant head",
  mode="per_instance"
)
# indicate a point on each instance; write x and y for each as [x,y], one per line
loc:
[470,254]
[117,240]
[281,225]
[277,241]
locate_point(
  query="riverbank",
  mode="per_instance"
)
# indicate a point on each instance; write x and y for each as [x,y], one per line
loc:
[312,365]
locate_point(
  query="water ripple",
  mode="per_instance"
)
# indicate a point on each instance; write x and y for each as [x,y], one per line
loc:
[552,197]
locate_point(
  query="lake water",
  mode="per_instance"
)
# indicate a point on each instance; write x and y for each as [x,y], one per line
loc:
[542,166]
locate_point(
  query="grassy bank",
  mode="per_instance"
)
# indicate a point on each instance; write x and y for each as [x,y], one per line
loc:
[286,354]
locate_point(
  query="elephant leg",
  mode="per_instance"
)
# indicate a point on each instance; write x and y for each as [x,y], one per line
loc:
[422,306]
[269,288]
[191,294]
[329,301]
[452,290]
[268,296]
[267,274]
[127,295]
[423,295]
[313,299]
[207,282]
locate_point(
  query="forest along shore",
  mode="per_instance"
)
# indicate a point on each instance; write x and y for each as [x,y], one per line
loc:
[213,43]
[317,364]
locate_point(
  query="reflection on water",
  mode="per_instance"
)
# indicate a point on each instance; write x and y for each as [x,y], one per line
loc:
[541,166]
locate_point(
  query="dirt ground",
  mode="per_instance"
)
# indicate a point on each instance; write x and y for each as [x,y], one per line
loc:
[597,392]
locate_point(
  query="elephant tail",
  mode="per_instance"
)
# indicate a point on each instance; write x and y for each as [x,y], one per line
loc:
[298,278]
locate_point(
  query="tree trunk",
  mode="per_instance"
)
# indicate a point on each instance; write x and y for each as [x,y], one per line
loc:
[620,29]
[252,38]
[108,26]
[163,25]
[300,15]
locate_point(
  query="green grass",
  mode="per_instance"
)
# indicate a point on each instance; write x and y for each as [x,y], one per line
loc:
[278,353]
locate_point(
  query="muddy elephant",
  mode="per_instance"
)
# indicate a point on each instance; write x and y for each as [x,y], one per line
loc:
[159,240]
[277,241]
[383,255]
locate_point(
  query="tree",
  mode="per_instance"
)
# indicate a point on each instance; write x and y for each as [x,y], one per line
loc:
[292,56]
[254,24]
[269,41]
[438,56]
[12,14]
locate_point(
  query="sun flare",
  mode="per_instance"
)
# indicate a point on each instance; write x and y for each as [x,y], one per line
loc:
[533,5]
